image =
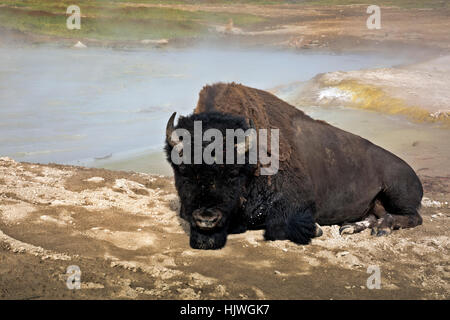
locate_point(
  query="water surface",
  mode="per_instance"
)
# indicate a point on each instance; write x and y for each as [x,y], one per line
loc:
[108,108]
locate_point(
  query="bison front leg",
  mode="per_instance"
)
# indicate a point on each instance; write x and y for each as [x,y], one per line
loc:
[296,224]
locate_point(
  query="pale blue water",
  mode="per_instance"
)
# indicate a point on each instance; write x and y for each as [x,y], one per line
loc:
[70,106]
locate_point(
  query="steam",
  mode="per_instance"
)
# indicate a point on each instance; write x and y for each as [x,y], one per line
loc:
[71,106]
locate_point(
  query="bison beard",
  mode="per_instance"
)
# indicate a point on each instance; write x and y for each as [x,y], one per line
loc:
[326,176]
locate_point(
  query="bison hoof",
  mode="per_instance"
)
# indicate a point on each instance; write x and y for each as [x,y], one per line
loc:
[346,230]
[319,231]
[380,232]
[383,232]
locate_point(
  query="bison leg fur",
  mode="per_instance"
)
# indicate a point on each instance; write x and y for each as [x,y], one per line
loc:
[369,222]
[297,226]
[384,226]
[391,222]
[398,215]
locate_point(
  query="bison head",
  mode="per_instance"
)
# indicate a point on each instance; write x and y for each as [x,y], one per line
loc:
[211,194]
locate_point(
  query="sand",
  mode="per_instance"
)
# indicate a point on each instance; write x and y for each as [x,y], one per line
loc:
[122,230]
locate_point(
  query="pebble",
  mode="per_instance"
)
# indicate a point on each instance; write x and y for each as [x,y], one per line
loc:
[343,253]
[95,179]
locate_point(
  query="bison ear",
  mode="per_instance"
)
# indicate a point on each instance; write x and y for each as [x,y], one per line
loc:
[170,129]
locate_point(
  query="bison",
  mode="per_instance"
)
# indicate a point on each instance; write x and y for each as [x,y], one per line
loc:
[325,175]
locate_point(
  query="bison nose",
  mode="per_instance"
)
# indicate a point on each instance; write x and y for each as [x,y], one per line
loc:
[207,218]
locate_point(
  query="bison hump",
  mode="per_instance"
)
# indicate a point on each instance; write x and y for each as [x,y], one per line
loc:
[265,109]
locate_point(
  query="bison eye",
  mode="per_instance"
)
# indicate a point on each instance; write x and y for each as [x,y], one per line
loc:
[182,169]
[234,172]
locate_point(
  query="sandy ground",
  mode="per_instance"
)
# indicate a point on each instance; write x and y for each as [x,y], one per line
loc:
[123,232]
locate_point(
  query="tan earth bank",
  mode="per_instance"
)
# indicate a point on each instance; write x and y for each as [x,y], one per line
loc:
[338,27]
[325,27]
[419,92]
[123,232]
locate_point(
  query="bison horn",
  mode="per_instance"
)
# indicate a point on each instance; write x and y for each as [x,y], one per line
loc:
[170,129]
[244,146]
